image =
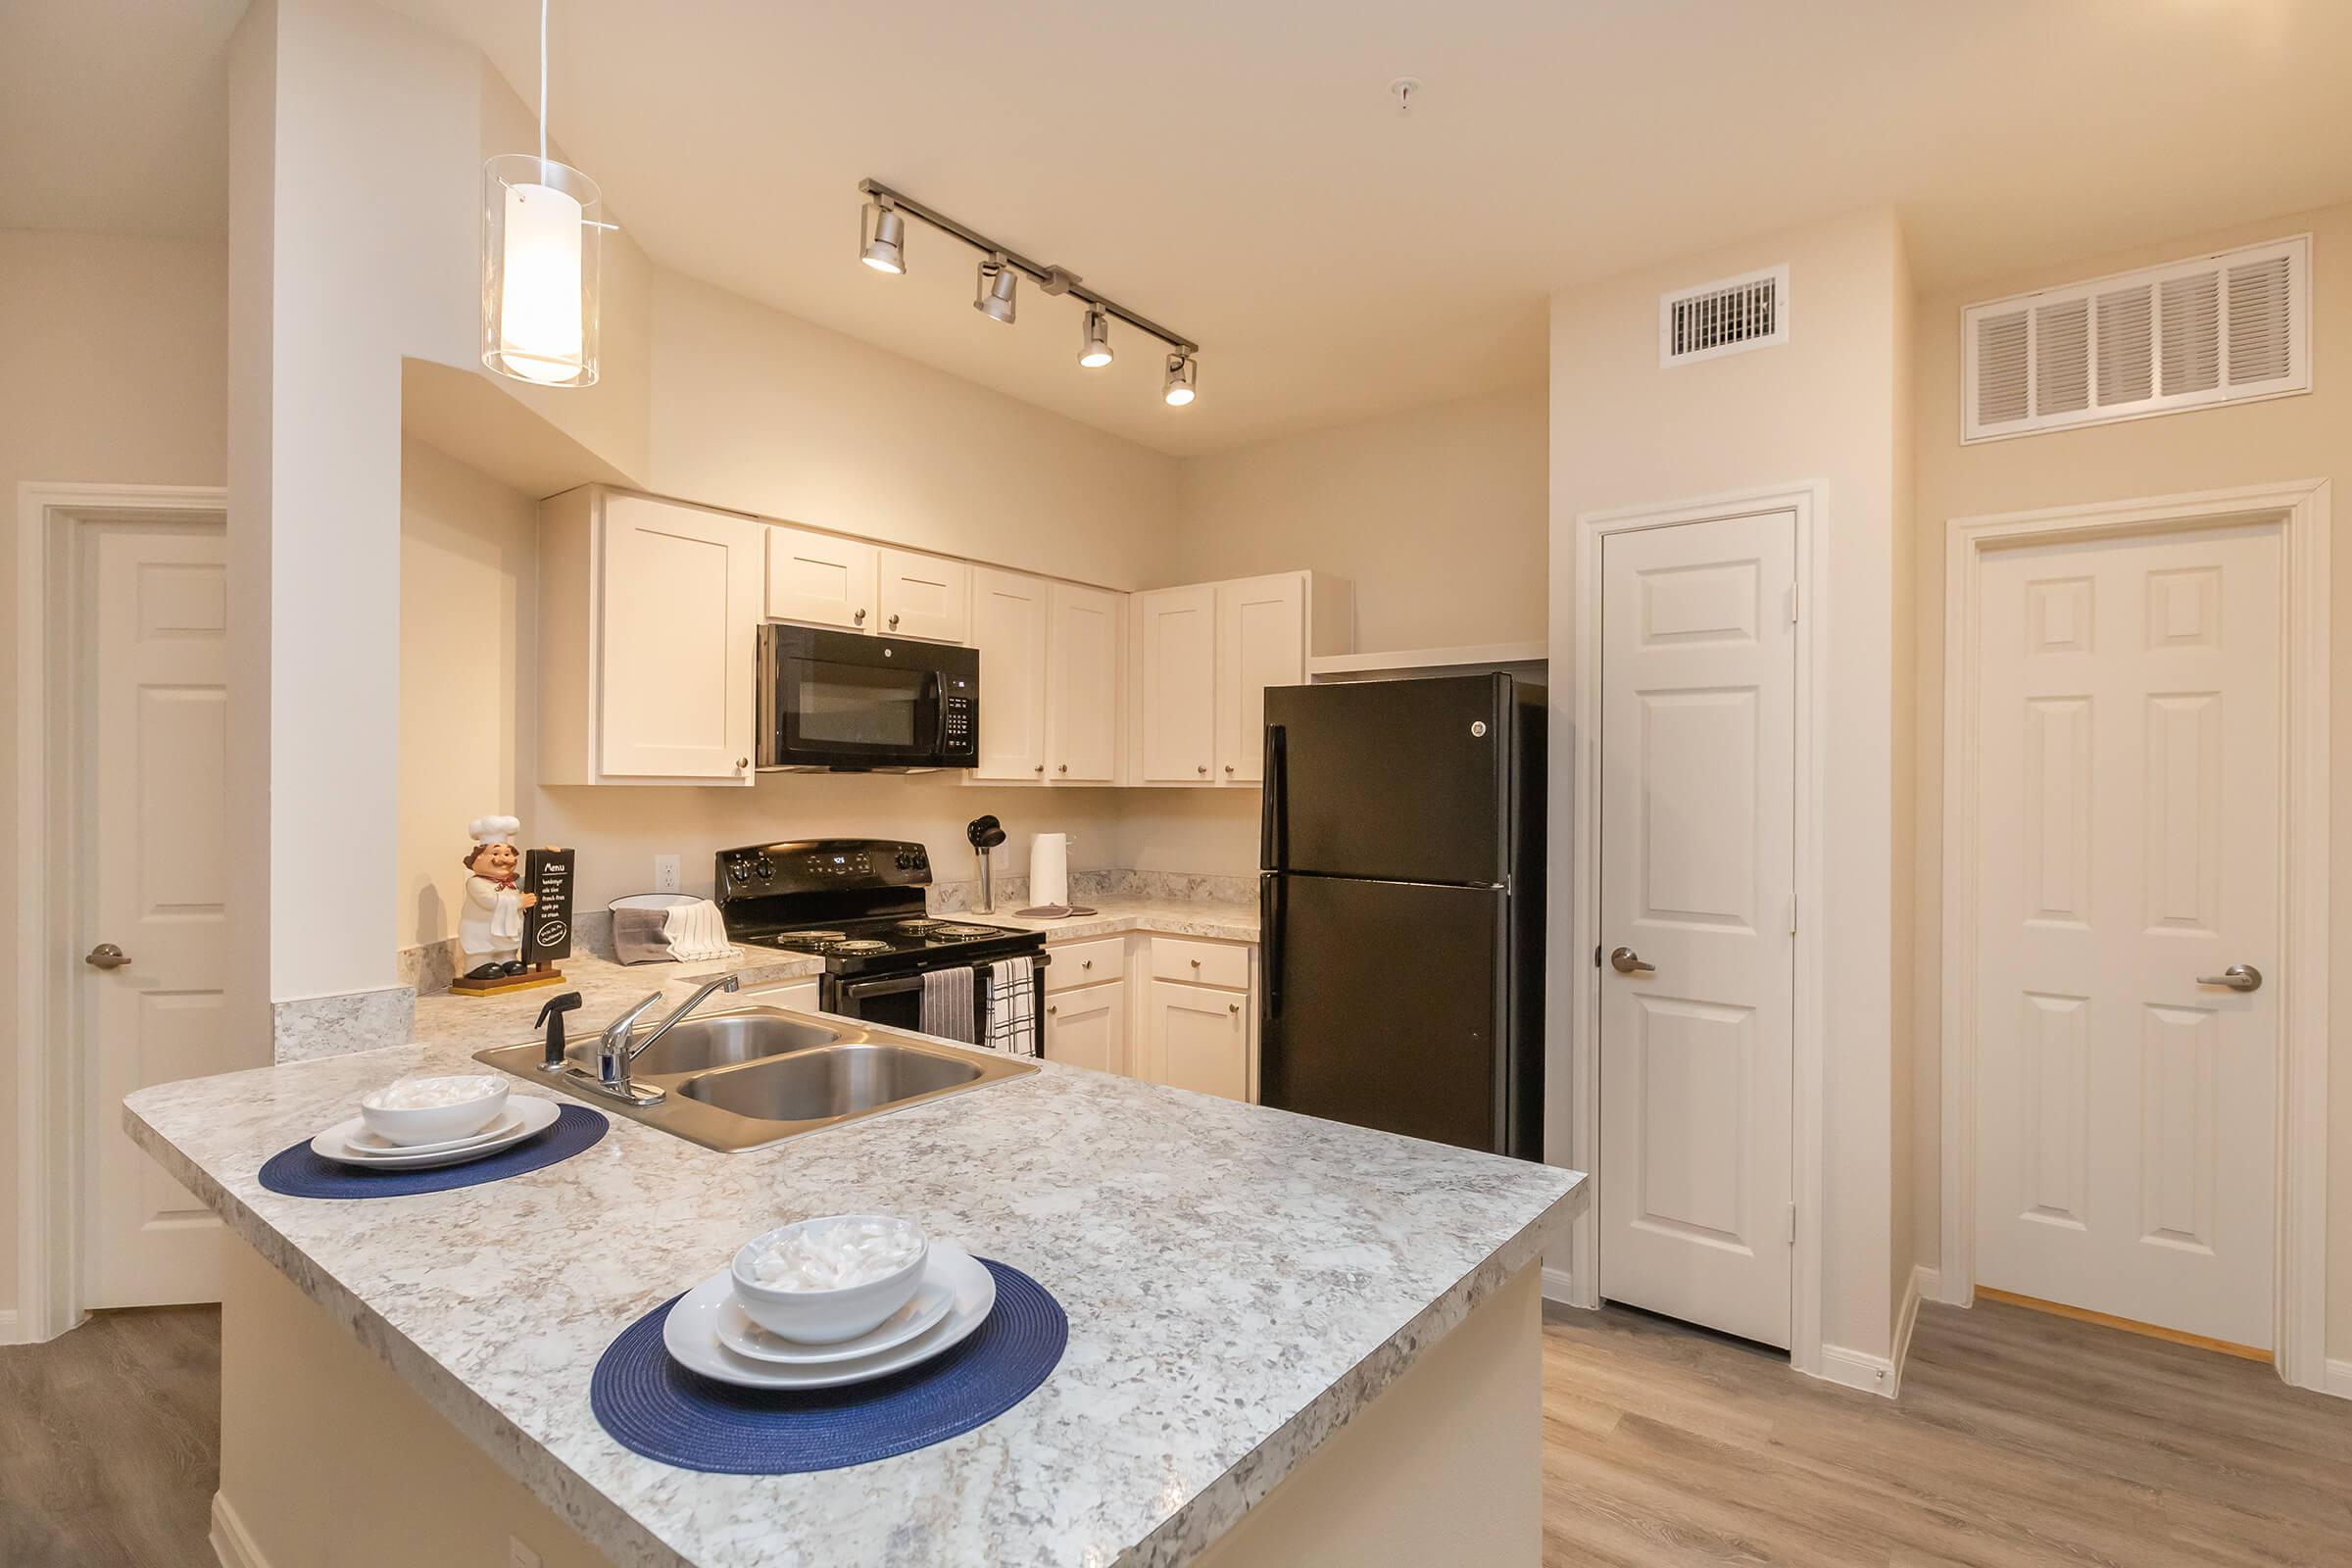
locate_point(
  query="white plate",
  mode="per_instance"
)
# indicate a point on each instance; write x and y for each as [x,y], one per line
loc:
[691,1334]
[365,1141]
[930,1302]
[534,1115]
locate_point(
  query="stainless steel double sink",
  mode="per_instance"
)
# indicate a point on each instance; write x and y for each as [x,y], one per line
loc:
[754,1076]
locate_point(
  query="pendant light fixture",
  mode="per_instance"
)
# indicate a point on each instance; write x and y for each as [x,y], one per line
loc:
[542,252]
[882,246]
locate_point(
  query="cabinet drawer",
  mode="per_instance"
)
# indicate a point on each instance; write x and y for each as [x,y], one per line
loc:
[800,996]
[1086,963]
[1201,963]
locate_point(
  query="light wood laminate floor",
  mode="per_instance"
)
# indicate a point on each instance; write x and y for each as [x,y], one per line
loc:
[2020,1439]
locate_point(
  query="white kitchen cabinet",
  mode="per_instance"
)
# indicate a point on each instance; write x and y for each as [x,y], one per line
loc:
[1204,657]
[1086,1026]
[1009,611]
[796,996]
[1198,1038]
[1082,685]
[1176,686]
[821,580]
[648,614]
[929,597]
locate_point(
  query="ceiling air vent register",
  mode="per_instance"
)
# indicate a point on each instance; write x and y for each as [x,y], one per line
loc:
[1728,316]
[2221,329]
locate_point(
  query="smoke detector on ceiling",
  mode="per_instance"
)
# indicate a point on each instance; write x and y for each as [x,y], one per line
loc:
[1404,89]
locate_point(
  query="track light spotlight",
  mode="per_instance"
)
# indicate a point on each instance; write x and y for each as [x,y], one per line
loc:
[998,280]
[1184,376]
[1094,352]
[882,238]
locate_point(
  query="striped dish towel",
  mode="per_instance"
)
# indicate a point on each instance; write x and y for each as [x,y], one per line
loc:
[947,1006]
[1012,1007]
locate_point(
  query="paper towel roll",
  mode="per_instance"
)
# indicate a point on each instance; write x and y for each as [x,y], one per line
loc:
[1049,869]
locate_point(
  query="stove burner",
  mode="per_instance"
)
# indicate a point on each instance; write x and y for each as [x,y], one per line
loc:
[807,939]
[964,932]
[920,925]
[862,945]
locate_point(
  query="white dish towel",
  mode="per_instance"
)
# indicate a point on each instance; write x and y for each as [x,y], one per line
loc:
[1012,1007]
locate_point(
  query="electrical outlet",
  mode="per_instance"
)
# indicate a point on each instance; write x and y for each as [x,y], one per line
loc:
[665,873]
[519,1555]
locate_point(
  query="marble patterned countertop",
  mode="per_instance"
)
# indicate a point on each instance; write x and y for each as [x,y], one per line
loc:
[1239,1281]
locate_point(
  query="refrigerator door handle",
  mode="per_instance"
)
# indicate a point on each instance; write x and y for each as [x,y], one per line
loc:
[1269,920]
[1273,824]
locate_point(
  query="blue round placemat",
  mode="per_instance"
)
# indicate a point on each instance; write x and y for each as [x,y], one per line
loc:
[654,1406]
[299,1172]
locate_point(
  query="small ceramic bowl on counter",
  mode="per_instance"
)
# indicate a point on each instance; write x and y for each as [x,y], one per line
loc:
[432,1111]
[822,1281]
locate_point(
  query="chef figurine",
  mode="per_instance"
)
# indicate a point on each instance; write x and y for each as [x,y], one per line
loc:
[490,931]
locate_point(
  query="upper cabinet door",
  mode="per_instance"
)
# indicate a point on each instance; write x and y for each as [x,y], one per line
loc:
[678,637]
[925,595]
[819,580]
[1082,693]
[1008,629]
[1177,643]
[1261,642]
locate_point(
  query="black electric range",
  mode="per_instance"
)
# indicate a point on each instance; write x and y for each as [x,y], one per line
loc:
[858,904]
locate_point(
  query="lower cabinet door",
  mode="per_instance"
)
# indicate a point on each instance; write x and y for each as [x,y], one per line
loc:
[1087,1027]
[1199,1039]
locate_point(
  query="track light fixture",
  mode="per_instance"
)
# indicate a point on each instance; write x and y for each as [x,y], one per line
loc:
[882,246]
[997,284]
[1183,380]
[1095,349]
[882,238]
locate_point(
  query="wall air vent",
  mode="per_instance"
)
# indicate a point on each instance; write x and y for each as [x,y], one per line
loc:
[2221,329]
[1728,316]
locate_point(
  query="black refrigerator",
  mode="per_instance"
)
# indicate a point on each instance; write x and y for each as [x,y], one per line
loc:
[1401,898]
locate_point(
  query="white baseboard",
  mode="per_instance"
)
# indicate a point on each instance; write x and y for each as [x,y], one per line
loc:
[1907,1318]
[2339,1381]
[8,1327]
[1929,1282]
[230,1541]
[1856,1369]
[1559,1287]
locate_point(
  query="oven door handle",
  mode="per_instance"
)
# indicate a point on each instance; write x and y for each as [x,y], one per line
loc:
[883,986]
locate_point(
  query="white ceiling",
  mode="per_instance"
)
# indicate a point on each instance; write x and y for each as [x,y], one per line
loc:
[1237,170]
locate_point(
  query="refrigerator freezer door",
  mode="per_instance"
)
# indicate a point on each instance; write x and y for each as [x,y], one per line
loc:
[1403,781]
[1381,1006]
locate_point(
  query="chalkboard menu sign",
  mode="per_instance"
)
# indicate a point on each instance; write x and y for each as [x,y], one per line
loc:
[547,924]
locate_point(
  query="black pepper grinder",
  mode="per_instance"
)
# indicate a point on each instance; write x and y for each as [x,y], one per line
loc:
[552,1017]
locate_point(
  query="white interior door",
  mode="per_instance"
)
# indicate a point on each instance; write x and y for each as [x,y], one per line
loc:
[1698,852]
[153,763]
[2127,833]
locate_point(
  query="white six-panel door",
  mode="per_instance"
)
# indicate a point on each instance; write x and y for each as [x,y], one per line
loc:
[1698,848]
[154,762]
[2128,809]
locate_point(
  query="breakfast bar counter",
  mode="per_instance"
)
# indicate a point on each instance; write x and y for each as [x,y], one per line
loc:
[1244,1288]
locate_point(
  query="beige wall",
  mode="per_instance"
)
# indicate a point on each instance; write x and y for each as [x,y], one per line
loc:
[2292,438]
[1827,405]
[1436,515]
[111,356]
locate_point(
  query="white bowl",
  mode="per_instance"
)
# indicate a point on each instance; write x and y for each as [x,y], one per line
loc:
[824,1317]
[433,1124]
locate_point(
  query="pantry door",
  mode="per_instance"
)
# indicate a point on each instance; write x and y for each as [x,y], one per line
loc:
[1698,880]
[2128,777]
[153,766]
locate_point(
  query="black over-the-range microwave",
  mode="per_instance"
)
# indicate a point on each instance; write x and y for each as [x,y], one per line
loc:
[853,703]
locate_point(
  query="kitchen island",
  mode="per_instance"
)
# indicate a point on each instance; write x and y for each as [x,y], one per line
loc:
[1334,1328]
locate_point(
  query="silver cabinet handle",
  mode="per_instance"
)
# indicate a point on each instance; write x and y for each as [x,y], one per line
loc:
[2238,977]
[860,618]
[1228,767]
[1063,768]
[1203,768]
[742,763]
[1086,963]
[1041,768]
[106,956]
[1625,961]
[1233,1007]
[894,620]
[1052,1007]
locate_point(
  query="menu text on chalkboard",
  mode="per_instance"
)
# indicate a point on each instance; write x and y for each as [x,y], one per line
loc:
[547,924]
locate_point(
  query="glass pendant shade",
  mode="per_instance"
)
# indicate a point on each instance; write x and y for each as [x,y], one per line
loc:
[542,250]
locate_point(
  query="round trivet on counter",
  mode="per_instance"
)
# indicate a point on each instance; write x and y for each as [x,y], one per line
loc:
[653,1407]
[299,1171]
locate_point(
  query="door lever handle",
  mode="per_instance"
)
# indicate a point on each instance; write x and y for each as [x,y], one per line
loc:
[1625,961]
[106,956]
[2238,977]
